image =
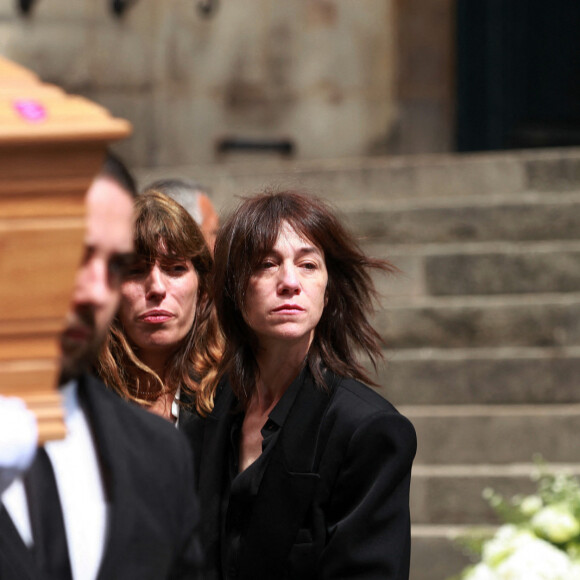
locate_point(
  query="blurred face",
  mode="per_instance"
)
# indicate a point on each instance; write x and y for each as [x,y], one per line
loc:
[210,221]
[286,295]
[97,290]
[158,303]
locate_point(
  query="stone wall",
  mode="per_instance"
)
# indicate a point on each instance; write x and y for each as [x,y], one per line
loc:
[324,74]
[426,77]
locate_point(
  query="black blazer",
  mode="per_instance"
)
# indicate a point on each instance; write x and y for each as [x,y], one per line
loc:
[334,499]
[153,518]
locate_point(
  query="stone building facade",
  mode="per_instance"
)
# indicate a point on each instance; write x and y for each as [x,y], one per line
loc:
[332,78]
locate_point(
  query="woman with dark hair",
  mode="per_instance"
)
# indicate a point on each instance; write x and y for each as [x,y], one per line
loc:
[303,470]
[164,344]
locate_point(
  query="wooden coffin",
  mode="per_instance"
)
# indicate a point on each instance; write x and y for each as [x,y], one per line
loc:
[51,146]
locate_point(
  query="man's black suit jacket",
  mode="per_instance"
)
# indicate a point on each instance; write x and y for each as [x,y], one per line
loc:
[153,517]
[334,499]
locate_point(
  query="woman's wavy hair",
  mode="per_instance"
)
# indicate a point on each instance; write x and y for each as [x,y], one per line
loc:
[164,228]
[243,242]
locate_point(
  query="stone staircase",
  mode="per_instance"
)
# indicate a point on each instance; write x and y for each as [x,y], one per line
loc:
[482,326]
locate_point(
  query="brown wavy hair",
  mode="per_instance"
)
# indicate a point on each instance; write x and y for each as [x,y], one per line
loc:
[244,241]
[164,228]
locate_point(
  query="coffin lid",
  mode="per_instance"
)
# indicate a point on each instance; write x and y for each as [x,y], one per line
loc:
[35,112]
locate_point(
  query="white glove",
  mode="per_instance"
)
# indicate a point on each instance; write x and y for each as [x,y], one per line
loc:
[18,439]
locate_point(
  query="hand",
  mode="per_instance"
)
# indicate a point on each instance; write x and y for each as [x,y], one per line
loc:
[18,439]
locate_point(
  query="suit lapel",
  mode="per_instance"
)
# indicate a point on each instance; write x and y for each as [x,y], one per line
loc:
[16,561]
[107,433]
[288,485]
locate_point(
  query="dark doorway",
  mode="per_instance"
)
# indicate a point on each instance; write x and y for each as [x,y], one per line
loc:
[518,74]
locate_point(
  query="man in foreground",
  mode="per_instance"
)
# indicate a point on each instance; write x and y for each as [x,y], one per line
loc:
[123,476]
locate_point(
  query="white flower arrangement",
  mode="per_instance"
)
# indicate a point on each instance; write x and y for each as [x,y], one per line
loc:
[540,539]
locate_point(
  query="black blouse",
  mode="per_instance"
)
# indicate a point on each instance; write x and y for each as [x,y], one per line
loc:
[241,488]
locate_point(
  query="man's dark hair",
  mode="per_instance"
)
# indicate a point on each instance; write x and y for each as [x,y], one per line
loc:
[115,170]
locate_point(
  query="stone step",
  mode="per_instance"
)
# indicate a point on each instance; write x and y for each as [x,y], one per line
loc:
[495,434]
[435,552]
[546,217]
[452,494]
[462,274]
[468,322]
[387,178]
[480,268]
[504,376]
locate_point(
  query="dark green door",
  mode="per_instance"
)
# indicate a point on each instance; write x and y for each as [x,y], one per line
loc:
[518,74]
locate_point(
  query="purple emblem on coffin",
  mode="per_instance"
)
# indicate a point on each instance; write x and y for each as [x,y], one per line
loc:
[31,110]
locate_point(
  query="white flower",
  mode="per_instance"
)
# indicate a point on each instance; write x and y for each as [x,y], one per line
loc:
[515,554]
[481,572]
[503,543]
[535,559]
[530,505]
[575,570]
[556,524]
[544,544]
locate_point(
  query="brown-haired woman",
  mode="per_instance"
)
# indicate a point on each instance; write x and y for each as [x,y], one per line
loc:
[163,346]
[303,470]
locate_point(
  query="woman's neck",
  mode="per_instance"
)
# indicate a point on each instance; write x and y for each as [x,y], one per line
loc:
[149,387]
[278,367]
[156,361]
[279,363]
[163,406]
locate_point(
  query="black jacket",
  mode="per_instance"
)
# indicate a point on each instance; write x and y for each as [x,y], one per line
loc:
[334,499]
[153,520]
